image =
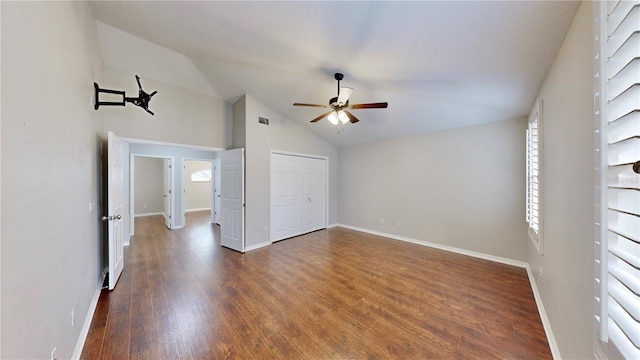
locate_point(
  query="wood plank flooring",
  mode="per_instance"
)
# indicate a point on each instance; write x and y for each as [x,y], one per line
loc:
[331,294]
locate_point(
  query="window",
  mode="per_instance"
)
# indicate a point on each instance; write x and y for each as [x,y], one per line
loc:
[201,176]
[617,227]
[534,176]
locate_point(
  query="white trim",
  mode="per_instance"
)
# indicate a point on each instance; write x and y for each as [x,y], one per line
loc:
[148,214]
[332,225]
[551,339]
[177,227]
[439,246]
[553,345]
[82,337]
[194,210]
[257,246]
[281,152]
[163,143]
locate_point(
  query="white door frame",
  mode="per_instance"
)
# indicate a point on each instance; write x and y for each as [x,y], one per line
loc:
[184,185]
[271,190]
[132,162]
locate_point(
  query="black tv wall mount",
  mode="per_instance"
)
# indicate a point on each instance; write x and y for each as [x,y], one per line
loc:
[142,100]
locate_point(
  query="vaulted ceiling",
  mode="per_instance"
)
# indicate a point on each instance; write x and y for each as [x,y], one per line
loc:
[439,64]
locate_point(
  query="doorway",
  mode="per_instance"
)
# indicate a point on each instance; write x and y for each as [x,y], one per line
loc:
[199,193]
[151,188]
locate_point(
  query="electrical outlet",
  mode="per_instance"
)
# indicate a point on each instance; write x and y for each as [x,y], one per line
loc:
[266,228]
[91,206]
[73,316]
[540,271]
[382,221]
[53,354]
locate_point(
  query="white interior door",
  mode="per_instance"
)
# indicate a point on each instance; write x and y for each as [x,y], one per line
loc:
[166,188]
[216,191]
[286,197]
[114,208]
[298,195]
[314,185]
[232,195]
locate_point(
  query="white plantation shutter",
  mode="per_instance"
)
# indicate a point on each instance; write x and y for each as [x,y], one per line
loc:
[534,174]
[619,277]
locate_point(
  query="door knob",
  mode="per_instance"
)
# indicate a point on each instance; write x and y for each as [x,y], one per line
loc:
[107,218]
[636,167]
[118,217]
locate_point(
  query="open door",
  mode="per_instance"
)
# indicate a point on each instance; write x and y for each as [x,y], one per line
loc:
[232,194]
[166,191]
[114,208]
[216,191]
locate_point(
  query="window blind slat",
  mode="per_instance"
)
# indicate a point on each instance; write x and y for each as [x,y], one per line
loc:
[624,79]
[624,127]
[627,257]
[624,104]
[623,153]
[623,55]
[623,176]
[623,200]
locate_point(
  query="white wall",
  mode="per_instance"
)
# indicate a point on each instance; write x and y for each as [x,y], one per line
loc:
[181,116]
[198,194]
[462,188]
[566,285]
[281,134]
[148,189]
[51,138]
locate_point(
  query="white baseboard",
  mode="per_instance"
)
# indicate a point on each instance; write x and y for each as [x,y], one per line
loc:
[555,351]
[332,225]
[82,338]
[475,254]
[148,214]
[194,210]
[553,345]
[257,246]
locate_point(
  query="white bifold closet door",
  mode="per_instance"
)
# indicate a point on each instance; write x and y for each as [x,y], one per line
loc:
[298,195]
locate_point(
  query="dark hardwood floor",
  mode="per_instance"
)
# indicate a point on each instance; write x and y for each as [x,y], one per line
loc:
[331,294]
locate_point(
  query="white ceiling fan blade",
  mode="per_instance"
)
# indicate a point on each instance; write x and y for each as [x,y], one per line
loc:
[345,92]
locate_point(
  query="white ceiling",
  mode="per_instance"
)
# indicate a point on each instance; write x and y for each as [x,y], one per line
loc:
[440,65]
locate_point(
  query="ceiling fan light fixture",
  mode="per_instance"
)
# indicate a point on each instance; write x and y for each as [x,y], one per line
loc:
[333,118]
[343,117]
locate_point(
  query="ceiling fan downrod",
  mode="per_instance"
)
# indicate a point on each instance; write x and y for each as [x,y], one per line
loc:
[338,77]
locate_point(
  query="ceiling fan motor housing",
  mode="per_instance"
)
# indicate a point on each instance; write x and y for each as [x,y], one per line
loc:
[333,102]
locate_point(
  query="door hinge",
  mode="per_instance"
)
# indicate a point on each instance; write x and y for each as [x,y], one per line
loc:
[169,191]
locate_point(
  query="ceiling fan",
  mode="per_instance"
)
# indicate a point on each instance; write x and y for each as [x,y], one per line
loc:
[340,104]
